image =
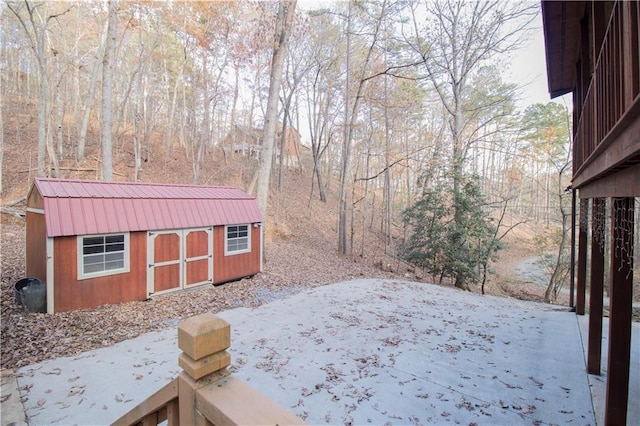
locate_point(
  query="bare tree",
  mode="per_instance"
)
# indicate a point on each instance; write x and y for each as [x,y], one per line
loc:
[108,62]
[462,37]
[321,90]
[286,11]
[35,27]
[2,82]
[351,116]
[88,99]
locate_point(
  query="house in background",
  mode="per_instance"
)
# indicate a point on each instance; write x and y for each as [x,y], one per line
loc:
[248,141]
[593,52]
[243,140]
[95,242]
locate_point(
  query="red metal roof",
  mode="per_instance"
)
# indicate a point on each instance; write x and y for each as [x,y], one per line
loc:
[81,207]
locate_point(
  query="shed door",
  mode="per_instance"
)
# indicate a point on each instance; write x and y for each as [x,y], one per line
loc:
[198,257]
[178,259]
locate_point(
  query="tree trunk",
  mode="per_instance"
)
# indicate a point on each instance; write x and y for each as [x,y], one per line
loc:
[346,148]
[43,99]
[88,100]
[59,117]
[317,133]
[234,106]
[1,126]
[365,214]
[168,137]
[107,92]
[2,90]
[350,121]
[283,138]
[286,10]
[387,173]
[457,176]
[51,151]
[136,145]
[557,277]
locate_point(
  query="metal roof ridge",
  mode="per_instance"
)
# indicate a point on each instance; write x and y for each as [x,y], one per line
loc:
[91,181]
[150,185]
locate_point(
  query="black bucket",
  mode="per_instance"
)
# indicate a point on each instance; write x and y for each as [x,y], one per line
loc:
[31,293]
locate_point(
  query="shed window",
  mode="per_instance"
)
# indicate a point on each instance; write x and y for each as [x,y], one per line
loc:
[100,255]
[237,239]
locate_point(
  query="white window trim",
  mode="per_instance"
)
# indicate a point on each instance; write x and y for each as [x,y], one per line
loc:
[226,242]
[127,255]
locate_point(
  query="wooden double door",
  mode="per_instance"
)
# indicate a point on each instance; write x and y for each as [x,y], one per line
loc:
[179,259]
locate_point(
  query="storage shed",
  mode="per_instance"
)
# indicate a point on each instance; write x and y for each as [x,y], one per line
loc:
[95,242]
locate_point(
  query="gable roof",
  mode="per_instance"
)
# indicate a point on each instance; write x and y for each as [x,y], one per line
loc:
[82,207]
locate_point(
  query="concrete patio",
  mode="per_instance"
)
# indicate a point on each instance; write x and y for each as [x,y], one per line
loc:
[361,352]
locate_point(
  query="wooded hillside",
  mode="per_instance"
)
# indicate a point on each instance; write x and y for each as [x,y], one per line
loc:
[381,105]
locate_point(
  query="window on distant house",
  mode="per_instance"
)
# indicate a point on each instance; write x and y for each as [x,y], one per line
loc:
[100,255]
[237,239]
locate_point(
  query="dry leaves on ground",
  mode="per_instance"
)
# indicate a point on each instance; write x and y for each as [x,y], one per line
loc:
[292,265]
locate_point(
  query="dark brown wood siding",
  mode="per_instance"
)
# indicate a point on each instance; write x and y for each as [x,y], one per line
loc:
[71,293]
[35,199]
[229,268]
[36,239]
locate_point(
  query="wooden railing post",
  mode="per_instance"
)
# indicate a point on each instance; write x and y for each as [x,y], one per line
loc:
[204,360]
[204,393]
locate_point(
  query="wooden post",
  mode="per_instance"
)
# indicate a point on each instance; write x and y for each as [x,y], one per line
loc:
[629,51]
[572,282]
[207,393]
[204,393]
[204,359]
[621,293]
[582,256]
[594,352]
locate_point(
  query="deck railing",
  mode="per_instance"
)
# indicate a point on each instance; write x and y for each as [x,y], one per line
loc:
[204,393]
[614,85]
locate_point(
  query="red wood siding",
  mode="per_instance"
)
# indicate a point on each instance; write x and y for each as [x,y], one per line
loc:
[197,245]
[36,239]
[167,277]
[197,271]
[197,242]
[166,248]
[229,268]
[71,293]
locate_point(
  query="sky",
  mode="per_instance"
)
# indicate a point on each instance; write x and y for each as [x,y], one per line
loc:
[528,69]
[527,65]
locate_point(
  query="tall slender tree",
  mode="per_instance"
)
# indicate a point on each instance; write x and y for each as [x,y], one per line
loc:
[108,62]
[286,11]
[351,116]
